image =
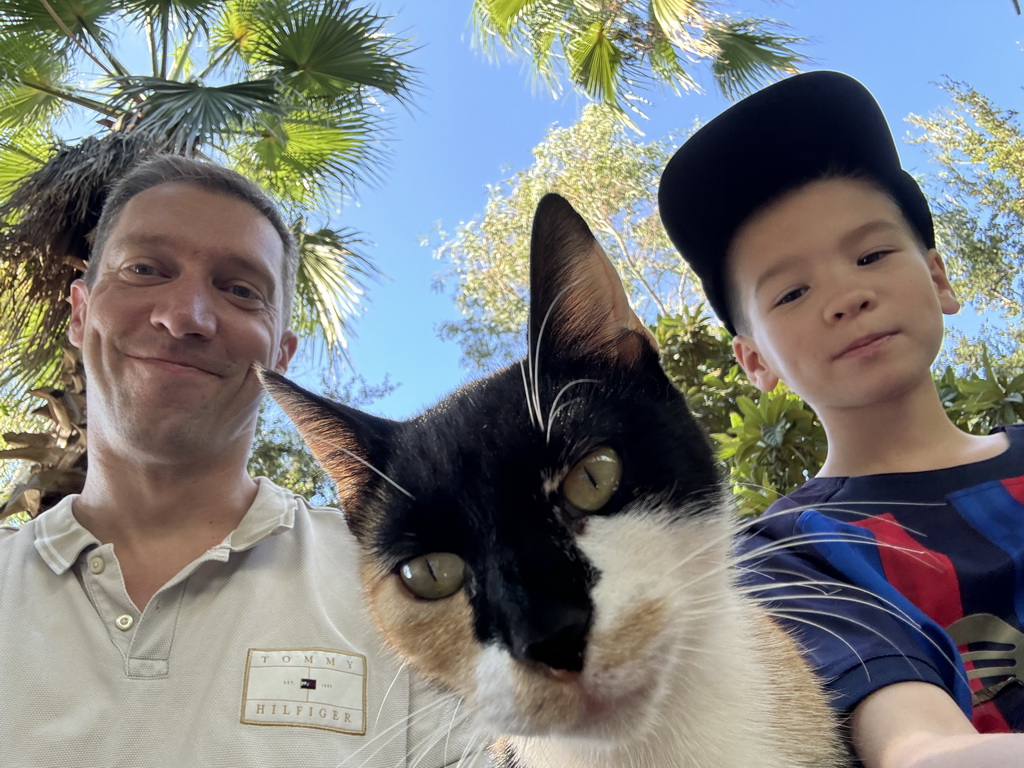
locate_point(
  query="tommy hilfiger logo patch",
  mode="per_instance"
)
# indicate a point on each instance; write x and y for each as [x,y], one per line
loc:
[306,687]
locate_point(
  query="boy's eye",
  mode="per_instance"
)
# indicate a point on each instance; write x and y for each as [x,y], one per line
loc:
[871,258]
[793,295]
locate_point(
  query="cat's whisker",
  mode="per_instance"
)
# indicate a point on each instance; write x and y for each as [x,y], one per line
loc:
[470,752]
[833,537]
[529,399]
[380,710]
[754,590]
[535,352]
[451,725]
[399,729]
[798,615]
[876,602]
[338,446]
[555,407]
[809,623]
[840,507]
[476,740]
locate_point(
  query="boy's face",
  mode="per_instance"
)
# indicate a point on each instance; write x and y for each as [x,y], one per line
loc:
[839,301]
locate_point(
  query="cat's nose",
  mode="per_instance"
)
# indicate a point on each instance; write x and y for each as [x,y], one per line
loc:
[558,640]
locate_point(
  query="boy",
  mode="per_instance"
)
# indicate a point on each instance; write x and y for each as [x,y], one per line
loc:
[816,250]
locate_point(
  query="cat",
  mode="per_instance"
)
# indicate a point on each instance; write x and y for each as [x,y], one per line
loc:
[553,544]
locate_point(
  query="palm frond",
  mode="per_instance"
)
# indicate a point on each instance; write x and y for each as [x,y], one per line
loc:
[308,159]
[332,280]
[675,16]
[751,53]
[229,35]
[325,48]
[187,12]
[594,62]
[63,25]
[614,49]
[22,152]
[668,67]
[25,333]
[31,76]
[501,17]
[188,114]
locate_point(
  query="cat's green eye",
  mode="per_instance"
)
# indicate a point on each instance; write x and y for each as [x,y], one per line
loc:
[591,483]
[434,576]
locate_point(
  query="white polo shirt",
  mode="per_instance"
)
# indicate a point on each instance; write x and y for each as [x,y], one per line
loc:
[259,653]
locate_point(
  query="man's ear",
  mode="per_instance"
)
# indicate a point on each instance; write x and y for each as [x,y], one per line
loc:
[753,363]
[947,296]
[285,351]
[79,300]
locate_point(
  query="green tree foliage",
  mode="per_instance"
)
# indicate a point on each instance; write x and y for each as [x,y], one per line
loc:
[978,200]
[612,181]
[769,443]
[613,50]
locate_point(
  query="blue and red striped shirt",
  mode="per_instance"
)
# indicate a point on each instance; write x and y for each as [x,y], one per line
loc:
[912,576]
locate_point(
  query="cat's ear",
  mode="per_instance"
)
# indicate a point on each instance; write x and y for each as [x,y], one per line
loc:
[340,438]
[577,303]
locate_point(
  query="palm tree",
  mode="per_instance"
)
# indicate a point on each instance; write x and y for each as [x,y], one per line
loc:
[286,91]
[610,48]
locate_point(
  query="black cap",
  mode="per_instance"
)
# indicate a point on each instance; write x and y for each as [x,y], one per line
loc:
[773,141]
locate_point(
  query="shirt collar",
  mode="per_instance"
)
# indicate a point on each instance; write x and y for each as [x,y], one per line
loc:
[61,539]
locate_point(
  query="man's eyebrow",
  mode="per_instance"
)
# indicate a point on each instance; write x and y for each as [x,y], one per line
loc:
[241,261]
[141,238]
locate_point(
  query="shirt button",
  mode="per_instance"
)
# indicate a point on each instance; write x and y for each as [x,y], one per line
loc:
[124,622]
[96,565]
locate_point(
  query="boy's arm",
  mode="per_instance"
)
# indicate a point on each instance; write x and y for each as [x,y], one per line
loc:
[917,725]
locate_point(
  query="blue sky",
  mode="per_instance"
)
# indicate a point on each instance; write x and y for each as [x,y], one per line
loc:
[475,120]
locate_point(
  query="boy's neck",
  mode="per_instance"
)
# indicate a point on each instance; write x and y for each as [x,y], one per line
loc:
[912,434]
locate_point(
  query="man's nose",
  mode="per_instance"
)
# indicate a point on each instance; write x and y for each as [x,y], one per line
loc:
[185,310]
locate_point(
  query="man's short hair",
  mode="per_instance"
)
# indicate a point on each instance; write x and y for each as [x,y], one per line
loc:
[165,169]
[791,133]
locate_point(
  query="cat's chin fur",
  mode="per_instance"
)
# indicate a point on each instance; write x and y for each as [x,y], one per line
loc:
[601,639]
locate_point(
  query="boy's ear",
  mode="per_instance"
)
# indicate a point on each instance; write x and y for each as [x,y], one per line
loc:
[947,296]
[753,363]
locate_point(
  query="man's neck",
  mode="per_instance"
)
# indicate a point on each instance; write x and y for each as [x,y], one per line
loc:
[161,518]
[909,434]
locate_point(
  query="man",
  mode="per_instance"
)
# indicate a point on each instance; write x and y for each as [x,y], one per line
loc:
[178,612]
[816,249]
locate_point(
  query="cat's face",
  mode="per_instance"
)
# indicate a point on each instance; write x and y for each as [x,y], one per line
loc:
[544,540]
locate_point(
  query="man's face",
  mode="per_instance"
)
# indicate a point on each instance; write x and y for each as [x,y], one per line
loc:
[839,300]
[188,294]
